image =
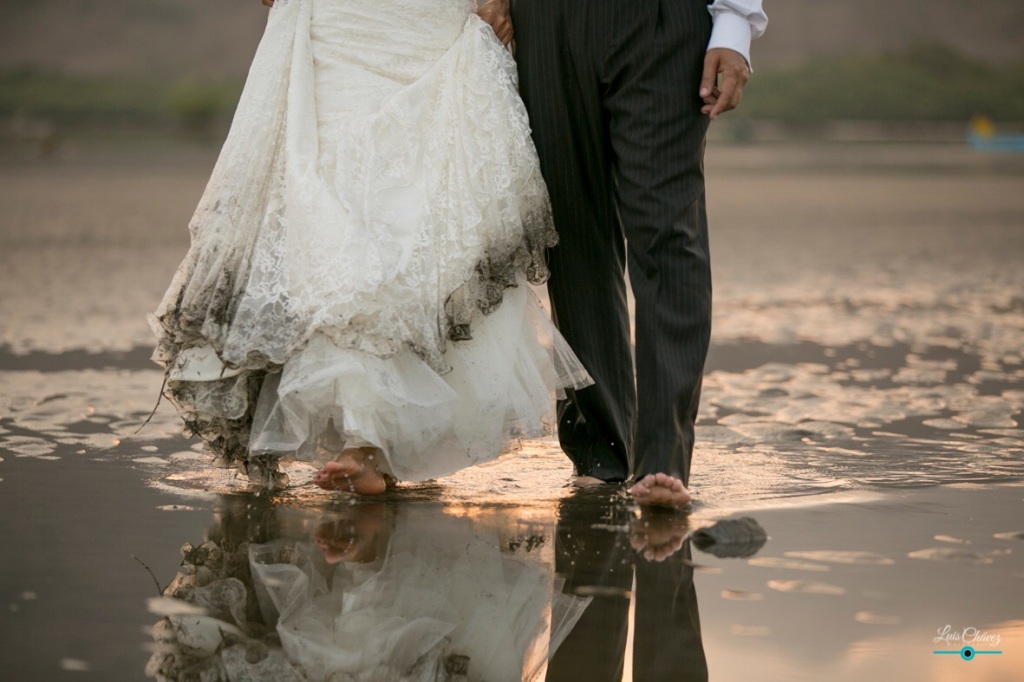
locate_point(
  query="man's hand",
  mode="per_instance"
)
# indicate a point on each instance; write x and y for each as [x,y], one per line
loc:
[733,69]
[495,13]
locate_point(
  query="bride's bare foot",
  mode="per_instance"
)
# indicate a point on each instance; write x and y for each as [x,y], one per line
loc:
[354,470]
[660,490]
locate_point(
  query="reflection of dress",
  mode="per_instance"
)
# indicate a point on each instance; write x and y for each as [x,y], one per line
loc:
[361,251]
[444,595]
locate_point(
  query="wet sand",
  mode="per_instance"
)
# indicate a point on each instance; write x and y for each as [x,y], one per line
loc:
[864,402]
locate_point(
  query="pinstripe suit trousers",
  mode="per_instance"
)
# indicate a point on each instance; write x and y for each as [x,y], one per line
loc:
[611,90]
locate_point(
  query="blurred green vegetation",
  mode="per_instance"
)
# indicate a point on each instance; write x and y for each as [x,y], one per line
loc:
[925,82]
[198,106]
[69,101]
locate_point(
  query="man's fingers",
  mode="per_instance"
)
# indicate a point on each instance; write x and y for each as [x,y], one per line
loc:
[268,3]
[710,76]
[734,72]
[730,97]
[713,97]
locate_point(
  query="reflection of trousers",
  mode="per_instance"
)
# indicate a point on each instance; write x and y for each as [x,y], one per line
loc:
[667,643]
[611,89]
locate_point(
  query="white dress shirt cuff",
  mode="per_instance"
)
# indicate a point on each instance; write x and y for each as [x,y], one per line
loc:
[731,31]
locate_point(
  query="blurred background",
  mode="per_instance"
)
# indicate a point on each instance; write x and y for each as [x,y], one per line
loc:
[916,68]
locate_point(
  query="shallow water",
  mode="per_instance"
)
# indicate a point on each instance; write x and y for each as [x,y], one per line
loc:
[864,402]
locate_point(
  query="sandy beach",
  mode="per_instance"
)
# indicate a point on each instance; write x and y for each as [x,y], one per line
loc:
[863,401]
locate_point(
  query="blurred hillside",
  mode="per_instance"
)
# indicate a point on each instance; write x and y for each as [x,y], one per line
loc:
[182,62]
[159,38]
[216,38]
[801,30]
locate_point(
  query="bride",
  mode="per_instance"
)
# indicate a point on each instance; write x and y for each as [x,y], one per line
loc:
[356,292]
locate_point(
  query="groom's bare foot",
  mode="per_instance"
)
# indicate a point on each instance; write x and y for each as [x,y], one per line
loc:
[660,490]
[355,471]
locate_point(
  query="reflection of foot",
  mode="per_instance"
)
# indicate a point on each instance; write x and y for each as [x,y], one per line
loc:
[354,470]
[585,482]
[660,490]
[352,539]
[658,535]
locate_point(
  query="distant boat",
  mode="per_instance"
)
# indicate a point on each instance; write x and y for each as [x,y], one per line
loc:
[983,137]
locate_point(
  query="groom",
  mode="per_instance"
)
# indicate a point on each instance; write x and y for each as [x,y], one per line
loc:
[620,93]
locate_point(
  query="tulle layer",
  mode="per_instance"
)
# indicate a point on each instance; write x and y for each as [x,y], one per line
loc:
[500,389]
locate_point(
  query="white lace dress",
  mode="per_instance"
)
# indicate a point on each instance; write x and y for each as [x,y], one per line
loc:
[361,253]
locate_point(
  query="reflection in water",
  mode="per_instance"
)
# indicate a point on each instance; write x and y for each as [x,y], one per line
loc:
[385,591]
[666,627]
[441,597]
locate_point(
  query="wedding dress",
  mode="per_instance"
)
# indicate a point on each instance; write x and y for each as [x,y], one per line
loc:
[361,254]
